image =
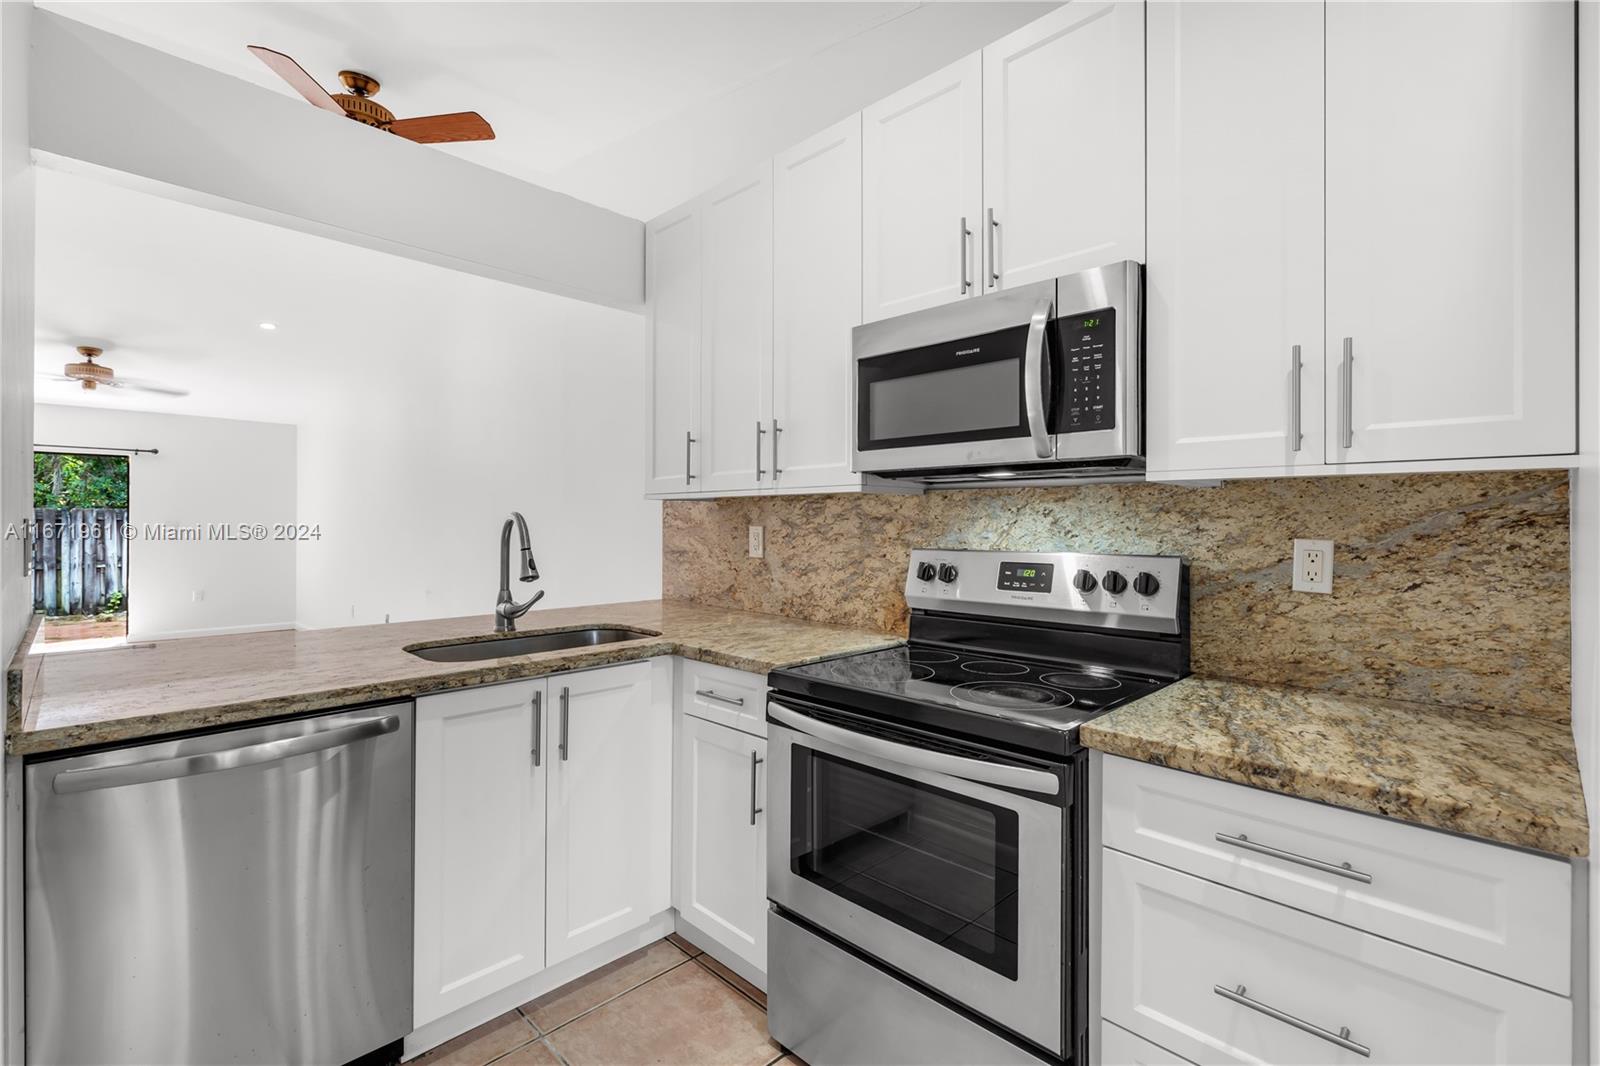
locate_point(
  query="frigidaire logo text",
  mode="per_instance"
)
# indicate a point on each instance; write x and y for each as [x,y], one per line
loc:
[969,351]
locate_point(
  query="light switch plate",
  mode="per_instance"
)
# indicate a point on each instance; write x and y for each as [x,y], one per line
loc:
[758,542]
[1313,566]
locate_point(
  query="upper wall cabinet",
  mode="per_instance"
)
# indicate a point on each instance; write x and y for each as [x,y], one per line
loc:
[736,347]
[1438,190]
[1451,184]
[816,301]
[1233,307]
[922,192]
[1064,143]
[672,281]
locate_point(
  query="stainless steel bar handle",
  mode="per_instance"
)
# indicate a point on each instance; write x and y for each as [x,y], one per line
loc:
[966,283]
[732,701]
[992,232]
[565,700]
[142,773]
[538,726]
[1339,1039]
[1295,367]
[761,431]
[1034,385]
[755,761]
[985,773]
[776,469]
[1344,870]
[1347,386]
[688,459]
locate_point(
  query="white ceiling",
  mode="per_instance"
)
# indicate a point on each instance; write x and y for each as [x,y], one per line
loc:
[621,104]
[175,294]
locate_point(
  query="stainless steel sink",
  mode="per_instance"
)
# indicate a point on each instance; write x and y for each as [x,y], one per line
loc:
[500,647]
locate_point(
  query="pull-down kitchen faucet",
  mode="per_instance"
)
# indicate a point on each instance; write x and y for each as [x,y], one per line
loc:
[506,609]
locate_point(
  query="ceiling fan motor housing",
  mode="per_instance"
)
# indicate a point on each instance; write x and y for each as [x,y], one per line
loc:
[358,102]
[89,372]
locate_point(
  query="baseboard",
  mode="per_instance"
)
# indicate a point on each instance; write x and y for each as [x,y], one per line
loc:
[711,946]
[427,1037]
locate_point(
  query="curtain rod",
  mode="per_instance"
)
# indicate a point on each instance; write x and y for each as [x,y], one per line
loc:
[96,451]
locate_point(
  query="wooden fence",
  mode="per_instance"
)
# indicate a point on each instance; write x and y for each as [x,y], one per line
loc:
[79,558]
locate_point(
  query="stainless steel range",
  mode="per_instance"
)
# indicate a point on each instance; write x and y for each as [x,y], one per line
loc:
[931,903]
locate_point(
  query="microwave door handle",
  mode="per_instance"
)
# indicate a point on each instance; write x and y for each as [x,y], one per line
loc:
[985,773]
[1034,385]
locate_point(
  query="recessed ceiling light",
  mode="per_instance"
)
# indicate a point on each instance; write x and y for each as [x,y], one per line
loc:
[269,326]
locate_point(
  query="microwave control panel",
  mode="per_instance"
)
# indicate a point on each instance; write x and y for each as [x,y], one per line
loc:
[1089,362]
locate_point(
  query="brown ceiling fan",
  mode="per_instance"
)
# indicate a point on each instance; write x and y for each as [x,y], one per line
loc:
[358,103]
[91,375]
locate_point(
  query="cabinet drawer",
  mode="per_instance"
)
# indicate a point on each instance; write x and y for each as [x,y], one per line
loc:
[727,697]
[1497,908]
[1118,1047]
[1175,948]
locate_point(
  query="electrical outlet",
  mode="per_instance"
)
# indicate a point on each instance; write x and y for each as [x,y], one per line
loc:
[197,596]
[1313,566]
[758,542]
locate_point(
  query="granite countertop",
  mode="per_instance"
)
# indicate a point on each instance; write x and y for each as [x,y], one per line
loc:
[1508,778]
[61,700]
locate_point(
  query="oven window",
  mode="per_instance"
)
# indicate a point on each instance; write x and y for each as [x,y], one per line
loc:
[941,865]
[960,400]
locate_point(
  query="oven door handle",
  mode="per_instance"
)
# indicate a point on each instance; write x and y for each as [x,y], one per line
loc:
[1034,384]
[986,773]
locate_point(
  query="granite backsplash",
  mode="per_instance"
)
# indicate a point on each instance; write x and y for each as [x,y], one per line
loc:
[1448,589]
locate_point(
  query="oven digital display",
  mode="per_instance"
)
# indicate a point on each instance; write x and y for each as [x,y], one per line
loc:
[1026,577]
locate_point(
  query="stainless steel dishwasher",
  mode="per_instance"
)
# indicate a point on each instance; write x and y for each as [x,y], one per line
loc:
[235,897]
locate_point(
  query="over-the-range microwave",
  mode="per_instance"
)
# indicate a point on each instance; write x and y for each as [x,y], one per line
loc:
[1042,382]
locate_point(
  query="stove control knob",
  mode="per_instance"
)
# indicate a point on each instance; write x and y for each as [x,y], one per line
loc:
[1146,584]
[947,573]
[1114,582]
[925,571]
[1084,581]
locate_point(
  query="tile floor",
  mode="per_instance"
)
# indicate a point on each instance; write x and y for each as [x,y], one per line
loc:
[666,1005]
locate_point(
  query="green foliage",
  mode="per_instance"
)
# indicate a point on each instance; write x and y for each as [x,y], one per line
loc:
[115,602]
[62,479]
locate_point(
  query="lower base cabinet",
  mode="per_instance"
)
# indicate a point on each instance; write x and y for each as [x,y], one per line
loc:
[1220,976]
[721,836]
[1118,1047]
[543,825]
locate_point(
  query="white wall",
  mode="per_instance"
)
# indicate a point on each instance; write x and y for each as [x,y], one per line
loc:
[1586,479]
[508,400]
[16,318]
[209,470]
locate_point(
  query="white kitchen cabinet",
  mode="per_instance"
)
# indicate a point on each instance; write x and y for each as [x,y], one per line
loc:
[1118,1047]
[922,192]
[609,754]
[1064,143]
[672,281]
[1450,222]
[736,346]
[1234,285]
[480,844]
[1220,976]
[721,836]
[816,302]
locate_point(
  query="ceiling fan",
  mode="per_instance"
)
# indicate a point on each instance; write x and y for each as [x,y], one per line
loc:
[91,375]
[358,103]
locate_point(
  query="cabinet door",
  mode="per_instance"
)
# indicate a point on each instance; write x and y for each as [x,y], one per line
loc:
[736,353]
[816,301]
[721,839]
[1063,143]
[480,839]
[672,289]
[610,745]
[1234,285]
[922,192]
[1451,230]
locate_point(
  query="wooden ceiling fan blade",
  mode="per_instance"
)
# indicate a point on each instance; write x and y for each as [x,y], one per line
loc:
[440,129]
[293,73]
[146,386]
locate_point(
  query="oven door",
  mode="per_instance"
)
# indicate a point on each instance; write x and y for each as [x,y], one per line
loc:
[965,385]
[938,859]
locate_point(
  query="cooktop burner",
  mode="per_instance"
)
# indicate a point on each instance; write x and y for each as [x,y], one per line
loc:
[1007,694]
